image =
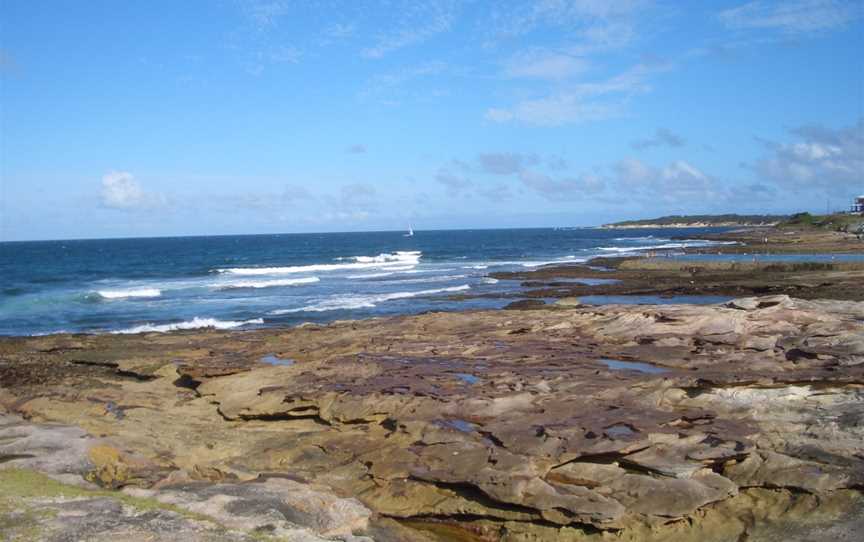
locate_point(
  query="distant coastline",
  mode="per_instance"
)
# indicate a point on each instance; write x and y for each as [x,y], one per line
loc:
[699,221]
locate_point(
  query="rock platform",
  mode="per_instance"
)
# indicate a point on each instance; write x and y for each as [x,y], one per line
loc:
[570,422]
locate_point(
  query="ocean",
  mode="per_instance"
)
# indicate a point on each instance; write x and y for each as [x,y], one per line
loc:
[253,281]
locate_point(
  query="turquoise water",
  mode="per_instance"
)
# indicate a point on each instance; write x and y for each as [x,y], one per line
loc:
[165,284]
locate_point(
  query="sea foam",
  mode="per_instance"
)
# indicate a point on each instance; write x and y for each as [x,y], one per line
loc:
[401,259]
[437,278]
[347,302]
[134,292]
[666,246]
[266,283]
[195,323]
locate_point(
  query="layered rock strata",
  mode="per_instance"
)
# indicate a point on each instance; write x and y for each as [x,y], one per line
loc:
[567,423]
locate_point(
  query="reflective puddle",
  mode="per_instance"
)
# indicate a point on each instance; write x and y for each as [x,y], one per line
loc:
[618,365]
[459,425]
[271,359]
[619,430]
[468,378]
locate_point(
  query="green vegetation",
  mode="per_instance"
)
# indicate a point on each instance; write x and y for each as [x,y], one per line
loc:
[835,222]
[21,521]
[710,220]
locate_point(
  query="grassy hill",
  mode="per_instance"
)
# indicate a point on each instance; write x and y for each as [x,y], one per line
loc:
[835,222]
[685,221]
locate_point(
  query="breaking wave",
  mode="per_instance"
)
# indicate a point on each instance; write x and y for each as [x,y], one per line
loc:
[395,260]
[134,292]
[195,323]
[267,283]
[402,256]
[683,244]
[437,278]
[348,302]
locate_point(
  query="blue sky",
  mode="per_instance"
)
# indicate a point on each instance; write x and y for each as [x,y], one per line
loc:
[248,116]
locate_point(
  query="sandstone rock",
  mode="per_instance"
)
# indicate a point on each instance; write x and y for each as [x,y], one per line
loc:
[501,420]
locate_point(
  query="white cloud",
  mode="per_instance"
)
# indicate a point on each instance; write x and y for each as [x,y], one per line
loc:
[823,158]
[387,88]
[496,193]
[455,184]
[580,102]
[265,13]
[593,25]
[792,16]
[498,115]
[338,31]
[120,190]
[663,137]
[565,108]
[633,172]
[419,22]
[569,188]
[505,163]
[285,55]
[676,182]
[541,64]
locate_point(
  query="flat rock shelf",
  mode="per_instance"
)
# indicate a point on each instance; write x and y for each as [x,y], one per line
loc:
[568,422]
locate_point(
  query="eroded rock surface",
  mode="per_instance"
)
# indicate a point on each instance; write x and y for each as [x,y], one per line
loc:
[501,425]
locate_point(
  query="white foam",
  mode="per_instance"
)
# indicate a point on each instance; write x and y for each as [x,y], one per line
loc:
[195,323]
[266,283]
[348,302]
[371,275]
[475,267]
[490,280]
[402,260]
[684,244]
[438,278]
[402,256]
[134,292]
[390,271]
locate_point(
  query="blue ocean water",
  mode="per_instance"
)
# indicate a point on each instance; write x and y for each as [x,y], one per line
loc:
[163,284]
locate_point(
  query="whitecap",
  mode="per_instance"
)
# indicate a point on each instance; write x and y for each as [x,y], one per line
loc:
[319,268]
[402,256]
[133,292]
[266,283]
[348,302]
[438,278]
[195,323]
[371,275]
[489,280]
[683,244]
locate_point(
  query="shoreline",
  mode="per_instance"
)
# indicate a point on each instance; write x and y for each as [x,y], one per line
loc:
[569,421]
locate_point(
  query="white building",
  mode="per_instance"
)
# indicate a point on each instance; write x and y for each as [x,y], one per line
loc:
[858,206]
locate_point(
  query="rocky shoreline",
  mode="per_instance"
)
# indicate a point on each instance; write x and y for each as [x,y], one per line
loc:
[740,420]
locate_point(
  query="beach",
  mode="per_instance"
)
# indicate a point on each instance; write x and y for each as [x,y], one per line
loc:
[631,396]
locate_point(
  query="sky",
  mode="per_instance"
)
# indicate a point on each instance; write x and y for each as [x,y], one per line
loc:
[134,119]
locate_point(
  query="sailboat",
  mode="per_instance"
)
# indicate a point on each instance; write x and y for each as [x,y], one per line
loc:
[410,232]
